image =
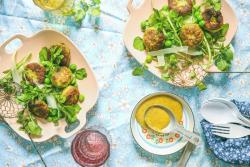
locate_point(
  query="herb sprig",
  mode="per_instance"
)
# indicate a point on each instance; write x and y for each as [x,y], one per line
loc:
[81,8]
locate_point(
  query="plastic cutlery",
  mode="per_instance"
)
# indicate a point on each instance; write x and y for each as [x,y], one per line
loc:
[234,108]
[216,111]
[230,131]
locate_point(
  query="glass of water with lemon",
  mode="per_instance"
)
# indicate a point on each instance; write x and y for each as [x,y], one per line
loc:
[50,4]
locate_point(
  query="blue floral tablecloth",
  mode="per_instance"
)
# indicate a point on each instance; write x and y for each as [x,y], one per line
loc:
[119,90]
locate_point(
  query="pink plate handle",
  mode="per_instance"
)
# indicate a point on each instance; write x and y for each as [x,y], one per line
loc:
[130,6]
[17,36]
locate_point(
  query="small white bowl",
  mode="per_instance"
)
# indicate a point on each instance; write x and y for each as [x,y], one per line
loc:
[161,144]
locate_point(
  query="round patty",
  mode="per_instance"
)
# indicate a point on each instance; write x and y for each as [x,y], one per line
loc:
[71,93]
[191,35]
[62,77]
[35,73]
[182,7]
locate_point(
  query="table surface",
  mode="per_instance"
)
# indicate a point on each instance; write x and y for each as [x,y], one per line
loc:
[119,90]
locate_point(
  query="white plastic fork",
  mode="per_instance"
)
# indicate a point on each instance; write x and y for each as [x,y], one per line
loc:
[230,131]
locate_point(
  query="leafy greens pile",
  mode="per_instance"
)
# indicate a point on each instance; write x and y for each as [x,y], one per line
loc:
[47,94]
[163,40]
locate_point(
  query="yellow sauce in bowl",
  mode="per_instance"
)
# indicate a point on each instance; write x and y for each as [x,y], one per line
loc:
[157,118]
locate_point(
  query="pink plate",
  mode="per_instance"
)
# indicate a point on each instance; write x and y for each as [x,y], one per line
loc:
[88,86]
[137,15]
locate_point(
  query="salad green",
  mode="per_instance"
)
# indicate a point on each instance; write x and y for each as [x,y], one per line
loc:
[177,41]
[45,100]
[81,8]
[138,44]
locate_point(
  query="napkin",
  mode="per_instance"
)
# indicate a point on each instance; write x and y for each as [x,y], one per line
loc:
[236,151]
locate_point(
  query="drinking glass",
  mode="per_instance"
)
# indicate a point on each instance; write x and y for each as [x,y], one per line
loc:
[50,4]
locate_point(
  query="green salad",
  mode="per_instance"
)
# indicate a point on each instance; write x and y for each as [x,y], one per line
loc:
[49,89]
[182,34]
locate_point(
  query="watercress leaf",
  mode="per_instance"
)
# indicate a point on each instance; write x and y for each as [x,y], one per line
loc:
[23,98]
[149,58]
[144,25]
[97,2]
[165,77]
[29,124]
[201,86]
[192,75]
[43,54]
[222,65]
[153,19]
[81,74]
[79,15]
[33,128]
[163,13]
[71,119]
[138,43]
[165,7]
[173,14]
[73,109]
[208,36]
[60,99]
[80,9]
[224,29]
[52,112]
[5,84]
[95,11]
[83,5]
[54,115]
[166,67]
[158,26]
[58,51]
[138,71]
[228,54]
[157,14]
[217,6]
[173,60]
[70,113]
[20,116]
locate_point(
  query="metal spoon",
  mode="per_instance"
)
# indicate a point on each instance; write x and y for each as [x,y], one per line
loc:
[186,153]
[220,111]
[173,126]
